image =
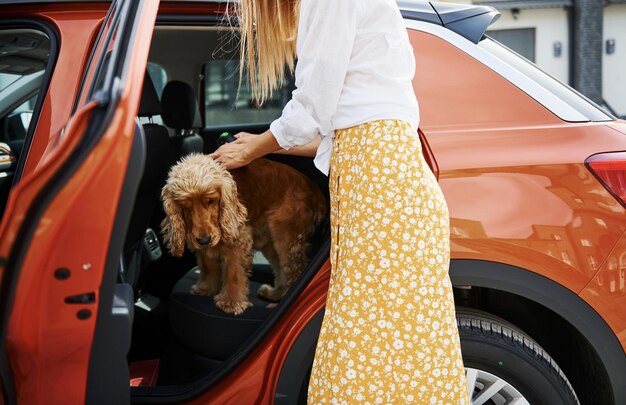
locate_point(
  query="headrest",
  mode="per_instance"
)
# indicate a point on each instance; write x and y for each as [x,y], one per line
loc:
[149,104]
[180,109]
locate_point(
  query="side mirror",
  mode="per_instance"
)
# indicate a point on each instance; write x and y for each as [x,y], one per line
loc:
[6,157]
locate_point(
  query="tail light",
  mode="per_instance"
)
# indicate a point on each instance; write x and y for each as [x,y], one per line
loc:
[610,169]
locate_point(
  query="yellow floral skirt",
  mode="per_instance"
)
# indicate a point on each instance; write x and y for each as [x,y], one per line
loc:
[389,334]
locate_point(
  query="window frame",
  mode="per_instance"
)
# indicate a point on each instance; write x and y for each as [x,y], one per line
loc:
[84,94]
[48,29]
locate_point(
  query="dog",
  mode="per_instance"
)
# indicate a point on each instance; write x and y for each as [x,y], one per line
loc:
[223,216]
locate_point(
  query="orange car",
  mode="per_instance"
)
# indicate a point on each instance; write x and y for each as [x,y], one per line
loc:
[99,98]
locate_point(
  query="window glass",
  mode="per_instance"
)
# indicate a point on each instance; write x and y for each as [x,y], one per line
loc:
[258,258]
[17,122]
[24,55]
[158,75]
[225,103]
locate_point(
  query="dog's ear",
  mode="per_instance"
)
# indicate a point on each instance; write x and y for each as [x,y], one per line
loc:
[232,212]
[173,226]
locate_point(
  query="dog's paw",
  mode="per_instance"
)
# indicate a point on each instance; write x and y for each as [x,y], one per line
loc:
[231,306]
[269,293]
[202,289]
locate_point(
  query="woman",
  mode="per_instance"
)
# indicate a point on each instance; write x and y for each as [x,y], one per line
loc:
[389,333]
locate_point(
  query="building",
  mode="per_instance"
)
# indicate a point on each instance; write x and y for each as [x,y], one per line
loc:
[580,42]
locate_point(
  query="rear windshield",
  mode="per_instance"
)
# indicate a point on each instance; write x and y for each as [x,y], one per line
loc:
[570,96]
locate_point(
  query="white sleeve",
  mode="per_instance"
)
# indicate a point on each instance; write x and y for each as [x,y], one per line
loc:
[326,35]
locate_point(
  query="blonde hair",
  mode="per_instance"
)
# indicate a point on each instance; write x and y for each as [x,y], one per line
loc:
[268,43]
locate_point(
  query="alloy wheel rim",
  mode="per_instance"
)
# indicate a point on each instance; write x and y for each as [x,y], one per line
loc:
[486,388]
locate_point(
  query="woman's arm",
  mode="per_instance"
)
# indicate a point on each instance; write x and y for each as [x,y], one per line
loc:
[324,50]
[308,150]
[248,147]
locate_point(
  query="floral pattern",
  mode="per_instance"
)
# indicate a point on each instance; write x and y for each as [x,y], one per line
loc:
[389,334]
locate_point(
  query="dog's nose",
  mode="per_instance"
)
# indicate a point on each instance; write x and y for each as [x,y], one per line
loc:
[204,240]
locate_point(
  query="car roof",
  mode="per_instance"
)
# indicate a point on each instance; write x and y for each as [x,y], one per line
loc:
[469,21]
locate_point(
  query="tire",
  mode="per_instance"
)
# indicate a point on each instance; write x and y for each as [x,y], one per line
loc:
[499,355]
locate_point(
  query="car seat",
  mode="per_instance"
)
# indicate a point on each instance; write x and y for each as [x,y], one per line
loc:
[181,115]
[180,112]
[156,138]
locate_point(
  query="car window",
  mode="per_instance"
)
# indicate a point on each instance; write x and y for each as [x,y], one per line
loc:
[226,103]
[16,122]
[24,55]
[159,78]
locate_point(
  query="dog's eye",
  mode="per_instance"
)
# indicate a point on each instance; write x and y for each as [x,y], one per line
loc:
[210,201]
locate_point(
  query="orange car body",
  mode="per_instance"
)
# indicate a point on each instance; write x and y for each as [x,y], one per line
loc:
[515,179]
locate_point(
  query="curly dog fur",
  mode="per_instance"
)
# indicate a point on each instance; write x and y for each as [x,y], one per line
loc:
[222,216]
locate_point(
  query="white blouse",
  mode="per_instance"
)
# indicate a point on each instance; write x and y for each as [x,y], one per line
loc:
[355,65]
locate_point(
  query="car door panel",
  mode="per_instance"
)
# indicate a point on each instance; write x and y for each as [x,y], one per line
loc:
[60,220]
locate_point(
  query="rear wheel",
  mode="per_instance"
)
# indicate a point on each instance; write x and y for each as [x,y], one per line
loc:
[506,366]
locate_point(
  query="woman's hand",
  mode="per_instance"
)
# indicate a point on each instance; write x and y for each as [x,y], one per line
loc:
[235,154]
[245,149]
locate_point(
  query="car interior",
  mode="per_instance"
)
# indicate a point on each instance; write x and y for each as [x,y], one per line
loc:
[191,95]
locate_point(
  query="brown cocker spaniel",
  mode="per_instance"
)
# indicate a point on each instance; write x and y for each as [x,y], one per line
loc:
[222,216]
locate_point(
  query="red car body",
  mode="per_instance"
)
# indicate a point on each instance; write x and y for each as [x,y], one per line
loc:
[529,218]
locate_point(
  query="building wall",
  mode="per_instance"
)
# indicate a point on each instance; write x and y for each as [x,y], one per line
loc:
[614,65]
[551,26]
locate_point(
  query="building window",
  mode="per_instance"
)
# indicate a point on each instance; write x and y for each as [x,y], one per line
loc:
[520,40]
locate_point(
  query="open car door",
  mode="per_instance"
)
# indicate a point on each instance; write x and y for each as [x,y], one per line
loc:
[66,321]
